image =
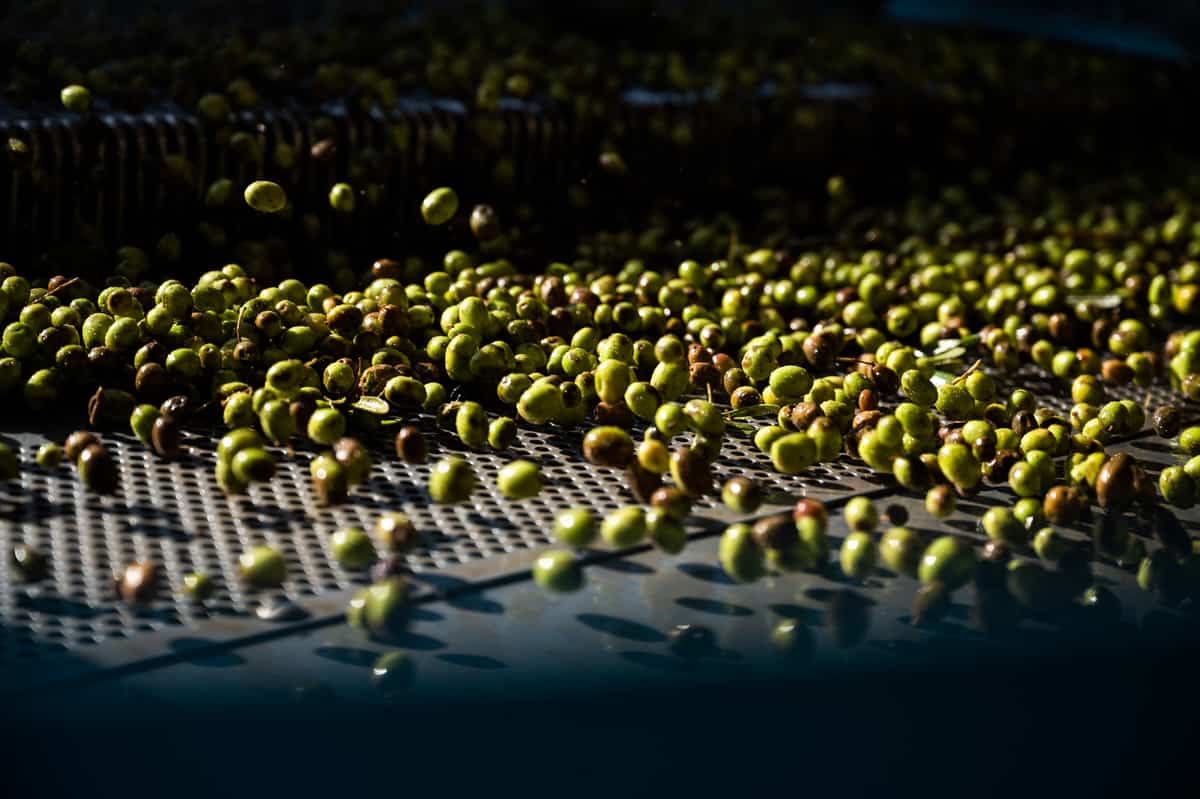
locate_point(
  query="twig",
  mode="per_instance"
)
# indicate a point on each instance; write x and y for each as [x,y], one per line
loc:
[973,367]
[61,286]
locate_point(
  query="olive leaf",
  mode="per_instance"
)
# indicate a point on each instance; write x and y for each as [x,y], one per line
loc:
[752,410]
[741,427]
[374,405]
[940,378]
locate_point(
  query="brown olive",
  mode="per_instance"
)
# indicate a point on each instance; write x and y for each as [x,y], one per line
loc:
[29,564]
[804,413]
[608,446]
[996,470]
[396,532]
[485,223]
[820,349]
[411,446]
[151,381]
[642,482]
[138,582]
[887,382]
[1063,505]
[179,407]
[301,410]
[813,508]
[613,414]
[1115,488]
[777,531]
[1116,372]
[1023,422]
[868,400]
[77,442]
[672,501]
[691,472]
[97,469]
[165,436]
[703,374]
[930,603]
[864,420]
[744,397]
[1168,421]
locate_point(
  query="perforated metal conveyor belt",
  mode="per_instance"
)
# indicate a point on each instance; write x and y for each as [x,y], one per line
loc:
[173,512]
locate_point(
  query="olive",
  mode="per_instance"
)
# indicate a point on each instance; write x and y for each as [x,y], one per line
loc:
[392,673]
[665,532]
[411,446]
[352,548]
[777,531]
[740,554]
[198,586]
[930,603]
[29,564]
[793,639]
[1063,505]
[900,549]
[813,509]
[672,501]
[742,495]
[262,567]
[451,481]
[1115,488]
[624,527]
[49,456]
[97,469]
[858,555]
[940,501]
[947,560]
[382,608]
[138,582]
[691,472]
[558,571]
[166,436]
[520,479]
[575,527]
[1167,421]
[1177,487]
[354,458]
[861,515]
[608,446]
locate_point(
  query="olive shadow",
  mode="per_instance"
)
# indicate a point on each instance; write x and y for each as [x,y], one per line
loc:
[621,628]
[473,661]
[624,567]
[713,606]
[410,640]
[705,572]
[457,594]
[788,610]
[347,655]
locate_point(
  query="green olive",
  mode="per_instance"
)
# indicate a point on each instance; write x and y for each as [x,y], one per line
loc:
[326,425]
[861,514]
[1001,525]
[949,561]
[559,571]
[520,479]
[262,567]
[439,206]
[352,548]
[265,197]
[665,532]
[858,555]
[451,481]
[900,549]
[396,533]
[740,555]
[624,527]
[575,527]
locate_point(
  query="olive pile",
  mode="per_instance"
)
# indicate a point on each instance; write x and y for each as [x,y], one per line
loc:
[885,337]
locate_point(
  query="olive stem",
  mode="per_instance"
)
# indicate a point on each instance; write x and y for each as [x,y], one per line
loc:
[972,368]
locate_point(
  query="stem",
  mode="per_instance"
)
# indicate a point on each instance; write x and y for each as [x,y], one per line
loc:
[973,367]
[61,286]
